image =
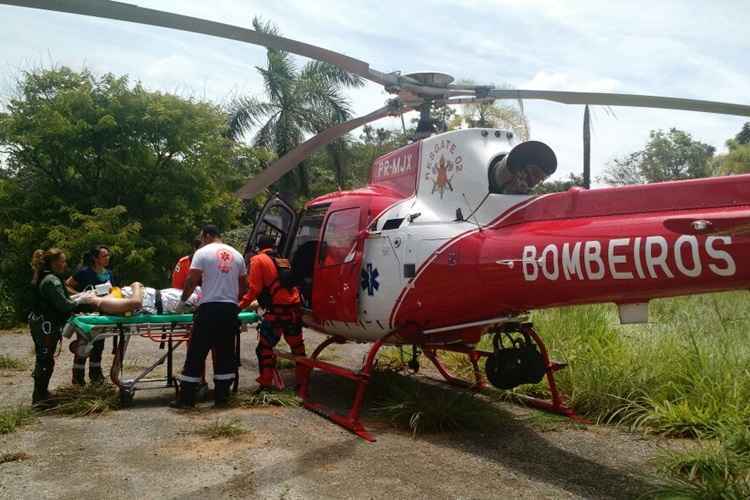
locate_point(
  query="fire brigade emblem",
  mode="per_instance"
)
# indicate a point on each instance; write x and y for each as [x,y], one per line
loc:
[443,166]
[225,260]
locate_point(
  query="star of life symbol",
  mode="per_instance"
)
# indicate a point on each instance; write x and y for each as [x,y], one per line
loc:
[443,166]
[370,280]
[225,260]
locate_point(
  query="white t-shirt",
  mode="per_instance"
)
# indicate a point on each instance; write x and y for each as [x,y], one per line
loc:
[222,267]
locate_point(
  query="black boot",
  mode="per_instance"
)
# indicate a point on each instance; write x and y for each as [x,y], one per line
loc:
[79,376]
[41,396]
[221,393]
[201,393]
[186,397]
[95,375]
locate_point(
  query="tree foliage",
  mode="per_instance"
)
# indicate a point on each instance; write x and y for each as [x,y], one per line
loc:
[672,155]
[298,102]
[737,160]
[559,186]
[99,160]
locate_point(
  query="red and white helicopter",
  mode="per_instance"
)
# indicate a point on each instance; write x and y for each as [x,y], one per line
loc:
[445,244]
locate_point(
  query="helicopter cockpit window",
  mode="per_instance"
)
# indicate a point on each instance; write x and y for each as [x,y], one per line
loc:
[340,237]
[276,223]
[305,247]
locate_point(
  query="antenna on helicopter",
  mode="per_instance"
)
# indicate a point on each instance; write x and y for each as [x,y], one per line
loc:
[586,149]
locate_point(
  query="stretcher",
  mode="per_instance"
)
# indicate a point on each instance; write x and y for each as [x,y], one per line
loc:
[168,330]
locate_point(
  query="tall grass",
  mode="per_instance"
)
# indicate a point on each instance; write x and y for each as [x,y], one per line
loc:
[685,374]
[718,468]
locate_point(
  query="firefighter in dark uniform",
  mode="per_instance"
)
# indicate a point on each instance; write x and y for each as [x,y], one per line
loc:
[270,282]
[222,274]
[52,308]
[95,271]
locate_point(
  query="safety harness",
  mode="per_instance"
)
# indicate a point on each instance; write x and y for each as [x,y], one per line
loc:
[277,313]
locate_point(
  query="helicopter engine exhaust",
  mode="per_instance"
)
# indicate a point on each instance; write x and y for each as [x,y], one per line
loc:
[524,167]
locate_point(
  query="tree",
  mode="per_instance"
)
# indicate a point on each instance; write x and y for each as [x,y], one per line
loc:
[737,160]
[298,102]
[667,156]
[743,137]
[559,186]
[98,160]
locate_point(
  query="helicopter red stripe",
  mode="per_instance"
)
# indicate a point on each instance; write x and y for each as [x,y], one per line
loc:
[508,213]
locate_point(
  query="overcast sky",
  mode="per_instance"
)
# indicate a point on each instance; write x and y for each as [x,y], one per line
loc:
[691,49]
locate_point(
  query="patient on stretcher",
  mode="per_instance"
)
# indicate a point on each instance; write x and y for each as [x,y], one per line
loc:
[137,298]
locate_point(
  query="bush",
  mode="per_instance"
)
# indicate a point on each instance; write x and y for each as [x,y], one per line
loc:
[8,314]
[12,418]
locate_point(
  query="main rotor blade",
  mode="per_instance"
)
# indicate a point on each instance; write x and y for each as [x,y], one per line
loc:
[635,100]
[134,14]
[277,169]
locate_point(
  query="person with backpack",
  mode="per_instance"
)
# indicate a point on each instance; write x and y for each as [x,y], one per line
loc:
[271,282]
[51,309]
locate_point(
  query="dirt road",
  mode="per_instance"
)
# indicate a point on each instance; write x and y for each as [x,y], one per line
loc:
[150,451]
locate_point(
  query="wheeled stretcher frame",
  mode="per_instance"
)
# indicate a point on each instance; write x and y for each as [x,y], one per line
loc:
[168,330]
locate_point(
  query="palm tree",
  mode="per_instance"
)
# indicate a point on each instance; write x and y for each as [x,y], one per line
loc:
[297,102]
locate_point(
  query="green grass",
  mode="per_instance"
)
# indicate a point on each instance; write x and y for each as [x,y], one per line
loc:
[13,418]
[11,363]
[90,400]
[683,375]
[254,399]
[717,468]
[422,408]
[222,429]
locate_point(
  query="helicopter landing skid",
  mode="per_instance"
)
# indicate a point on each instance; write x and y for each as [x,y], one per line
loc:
[554,405]
[305,367]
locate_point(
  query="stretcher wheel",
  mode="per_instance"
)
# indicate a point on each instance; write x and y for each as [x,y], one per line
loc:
[126,397]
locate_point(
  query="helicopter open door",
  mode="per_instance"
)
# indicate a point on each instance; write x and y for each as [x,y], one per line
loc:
[338,264]
[276,219]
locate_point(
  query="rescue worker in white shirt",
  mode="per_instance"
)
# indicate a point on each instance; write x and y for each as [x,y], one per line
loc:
[222,274]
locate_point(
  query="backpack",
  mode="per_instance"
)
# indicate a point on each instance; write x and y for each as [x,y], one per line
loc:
[285,280]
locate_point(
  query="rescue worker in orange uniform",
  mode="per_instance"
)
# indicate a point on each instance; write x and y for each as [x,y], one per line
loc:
[182,268]
[282,305]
